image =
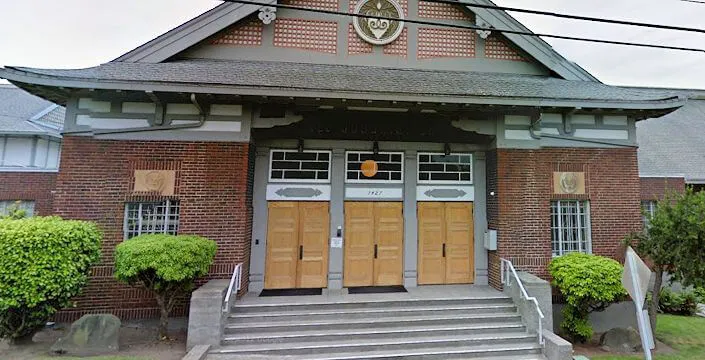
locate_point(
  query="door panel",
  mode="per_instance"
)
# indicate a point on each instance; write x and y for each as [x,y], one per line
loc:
[314,224]
[389,235]
[431,234]
[282,245]
[359,244]
[460,265]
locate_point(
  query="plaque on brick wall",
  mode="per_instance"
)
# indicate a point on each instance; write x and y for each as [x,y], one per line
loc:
[569,183]
[155,181]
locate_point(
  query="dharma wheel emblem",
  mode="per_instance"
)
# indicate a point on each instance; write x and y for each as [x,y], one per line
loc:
[383,30]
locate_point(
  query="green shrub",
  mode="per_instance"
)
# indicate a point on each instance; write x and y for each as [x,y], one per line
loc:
[44,262]
[700,295]
[166,265]
[588,283]
[684,303]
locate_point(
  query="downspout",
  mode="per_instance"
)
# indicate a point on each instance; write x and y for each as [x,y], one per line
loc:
[559,137]
[201,120]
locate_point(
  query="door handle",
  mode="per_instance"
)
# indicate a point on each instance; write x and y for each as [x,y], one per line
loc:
[375,251]
[301,252]
[444,250]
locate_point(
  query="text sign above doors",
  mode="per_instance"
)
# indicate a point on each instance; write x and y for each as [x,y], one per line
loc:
[374,193]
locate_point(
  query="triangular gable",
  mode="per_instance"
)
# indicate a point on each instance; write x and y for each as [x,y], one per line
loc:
[225,15]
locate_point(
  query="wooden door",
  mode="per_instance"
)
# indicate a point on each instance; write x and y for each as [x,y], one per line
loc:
[282,245]
[432,233]
[389,239]
[358,266]
[460,259]
[314,224]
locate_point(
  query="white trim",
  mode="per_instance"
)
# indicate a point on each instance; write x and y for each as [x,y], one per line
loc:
[322,195]
[469,191]
[441,182]
[347,181]
[299,181]
[374,193]
[19,169]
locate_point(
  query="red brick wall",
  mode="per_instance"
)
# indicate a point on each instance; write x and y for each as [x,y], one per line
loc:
[36,186]
[94,184]
[524,194]
[655,188]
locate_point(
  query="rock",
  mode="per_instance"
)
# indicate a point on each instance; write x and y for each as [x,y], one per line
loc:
[701,310]
[90,335]
[621,340]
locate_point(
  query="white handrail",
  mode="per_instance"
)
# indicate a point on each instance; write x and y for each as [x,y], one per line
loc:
[236,283]
[506,267]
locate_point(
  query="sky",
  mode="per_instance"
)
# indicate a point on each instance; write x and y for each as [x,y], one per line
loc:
[84,33]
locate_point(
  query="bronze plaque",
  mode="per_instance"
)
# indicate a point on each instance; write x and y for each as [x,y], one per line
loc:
[569,183]
[155,181]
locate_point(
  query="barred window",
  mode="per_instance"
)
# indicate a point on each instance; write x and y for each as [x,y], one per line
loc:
[570,227]
[648,207]
[9,205]
[292,165]
[151,218]
[441,168]
[387,167]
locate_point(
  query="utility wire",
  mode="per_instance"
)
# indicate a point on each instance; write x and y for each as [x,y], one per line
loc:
[573,17]
[467,27]
[694,1]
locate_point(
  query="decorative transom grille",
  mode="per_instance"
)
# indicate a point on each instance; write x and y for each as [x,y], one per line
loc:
[248,34]
[355,44]
[389,167]
[331,5]
[497,48]
[432,10]
[8,205]
[399,46]
[306,166]
[435,43]
[151,218]
[441,168]
[570,227]
[312,35]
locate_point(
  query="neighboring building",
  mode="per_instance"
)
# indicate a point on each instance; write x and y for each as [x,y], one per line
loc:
[320,159]
[672,150]
[30,144]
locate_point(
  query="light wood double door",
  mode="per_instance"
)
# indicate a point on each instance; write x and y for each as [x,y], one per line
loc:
[374,233]
[297,245]
[446,253]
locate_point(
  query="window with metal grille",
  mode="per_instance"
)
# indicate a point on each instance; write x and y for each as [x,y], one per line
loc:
[648,207]
[445,169]
[570,227]
[295,166]
[389,167]
[9,205]
[151,218]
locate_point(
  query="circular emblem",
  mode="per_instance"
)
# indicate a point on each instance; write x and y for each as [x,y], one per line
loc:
[369,168]
[155,181]
[375,30]
[569,182]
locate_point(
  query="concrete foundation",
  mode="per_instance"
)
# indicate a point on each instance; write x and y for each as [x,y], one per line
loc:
[206,318]
[541,290]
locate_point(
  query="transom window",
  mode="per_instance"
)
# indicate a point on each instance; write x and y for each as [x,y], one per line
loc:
[570,227]
[368,167]
[448,169]
[8,205]
[295,166]
[151,218]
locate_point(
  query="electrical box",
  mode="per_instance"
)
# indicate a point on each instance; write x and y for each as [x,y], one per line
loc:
[491,239]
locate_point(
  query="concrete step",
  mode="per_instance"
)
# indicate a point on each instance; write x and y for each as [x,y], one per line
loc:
[371,345]
[302,315]
[373,322]
[286,304]
[297,336]
[518,351]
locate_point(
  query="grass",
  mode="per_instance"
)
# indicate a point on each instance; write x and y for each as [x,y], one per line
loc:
[685,334]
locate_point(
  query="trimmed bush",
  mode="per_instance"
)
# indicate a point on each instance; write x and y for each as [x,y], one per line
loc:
[166,265]
[589,283]
[44,262]
[684,303]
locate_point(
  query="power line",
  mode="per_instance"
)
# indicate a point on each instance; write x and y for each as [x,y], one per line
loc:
[694,1]
[468,27]
[574,17]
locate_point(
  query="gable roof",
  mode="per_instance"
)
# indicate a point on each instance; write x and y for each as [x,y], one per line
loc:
[22,113]
[201,27]
[674,145]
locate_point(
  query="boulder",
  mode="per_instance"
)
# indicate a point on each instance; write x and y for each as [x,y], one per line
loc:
[621,340]
[90,335]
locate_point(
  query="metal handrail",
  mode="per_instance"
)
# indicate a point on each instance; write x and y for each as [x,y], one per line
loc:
[506,267]
[235,282]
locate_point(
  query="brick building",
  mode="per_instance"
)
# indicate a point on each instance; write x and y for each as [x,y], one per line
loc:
[29,150]
[324,152]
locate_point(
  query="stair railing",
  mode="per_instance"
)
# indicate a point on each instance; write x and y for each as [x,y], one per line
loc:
[235,284]
[508,273]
